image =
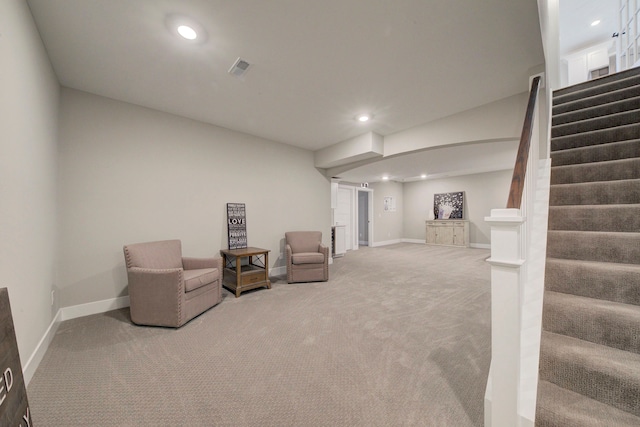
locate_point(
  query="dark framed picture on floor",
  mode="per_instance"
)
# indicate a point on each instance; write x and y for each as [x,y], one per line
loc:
[448,205]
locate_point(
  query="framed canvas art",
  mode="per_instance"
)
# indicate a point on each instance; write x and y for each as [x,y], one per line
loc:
[448,205]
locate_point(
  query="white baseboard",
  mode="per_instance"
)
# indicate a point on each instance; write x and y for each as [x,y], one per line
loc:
[418,241]
[480,245]
[385,243]
[282,270]
[95,307]
[422,242]
[67,313]
[38,354]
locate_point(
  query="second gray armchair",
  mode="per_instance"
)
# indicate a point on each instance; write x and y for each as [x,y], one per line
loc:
[307,258]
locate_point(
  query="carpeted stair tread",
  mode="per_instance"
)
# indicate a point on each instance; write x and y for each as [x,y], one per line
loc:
[621,217]
[559,407]
[591,111]
[595,101]
[606,374]
[595,193]
[597,153]
[619,247]
[611,170]
[601,136]
[604,280]
[612,324]
[596,87]
[627,75]
[596,123]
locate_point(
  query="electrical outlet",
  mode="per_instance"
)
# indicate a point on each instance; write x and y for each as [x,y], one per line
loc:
[53,296]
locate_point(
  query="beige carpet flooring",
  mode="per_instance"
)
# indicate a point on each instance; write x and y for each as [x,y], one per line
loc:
[399,336]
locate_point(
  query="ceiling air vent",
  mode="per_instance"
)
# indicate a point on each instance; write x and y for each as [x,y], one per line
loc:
[239,68]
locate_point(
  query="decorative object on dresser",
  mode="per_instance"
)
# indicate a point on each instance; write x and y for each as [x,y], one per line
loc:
[448,232]
[167,289]
[307,258]
[240,275]
[448,205]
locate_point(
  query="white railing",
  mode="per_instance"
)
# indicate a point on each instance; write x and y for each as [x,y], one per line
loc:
[628,40]
[518,249]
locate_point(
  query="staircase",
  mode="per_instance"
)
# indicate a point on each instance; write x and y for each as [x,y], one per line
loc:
[590,350]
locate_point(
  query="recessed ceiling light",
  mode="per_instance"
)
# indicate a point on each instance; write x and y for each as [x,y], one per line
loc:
[187,32]
[363,117]
[385,178]
[596,22]
[423,176]
[187,28]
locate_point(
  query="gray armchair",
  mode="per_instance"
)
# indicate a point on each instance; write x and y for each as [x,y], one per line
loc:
[307,258]
[167,289]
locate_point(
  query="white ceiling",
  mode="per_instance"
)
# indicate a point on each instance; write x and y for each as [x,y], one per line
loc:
[314,65]
[576,16]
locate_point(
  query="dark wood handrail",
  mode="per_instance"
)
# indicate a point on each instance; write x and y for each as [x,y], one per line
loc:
[520,169]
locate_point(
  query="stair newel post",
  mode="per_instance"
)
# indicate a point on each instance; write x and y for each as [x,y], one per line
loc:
[507,275]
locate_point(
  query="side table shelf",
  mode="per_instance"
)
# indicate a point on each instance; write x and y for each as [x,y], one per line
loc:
[238,276]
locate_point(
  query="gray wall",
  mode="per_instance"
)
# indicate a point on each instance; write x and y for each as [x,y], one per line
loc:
[387,226]
[28,128]
[483,192]
[414,201]
[130,174]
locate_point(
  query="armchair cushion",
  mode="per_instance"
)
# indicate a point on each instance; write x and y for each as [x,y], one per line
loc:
[189,263]
[308,258]
[194,279]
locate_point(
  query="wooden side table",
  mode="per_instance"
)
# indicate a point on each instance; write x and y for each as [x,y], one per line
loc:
[238,277]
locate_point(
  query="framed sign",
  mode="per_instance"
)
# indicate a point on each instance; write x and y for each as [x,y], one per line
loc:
[389,204]
[14,407]
[237,225]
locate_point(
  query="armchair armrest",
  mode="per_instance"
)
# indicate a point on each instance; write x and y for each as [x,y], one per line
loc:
[324,250]
[166,280]
[160,290]
[287,254]
[190,263]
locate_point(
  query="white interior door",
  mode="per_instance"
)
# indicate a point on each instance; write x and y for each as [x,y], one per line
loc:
[344,213]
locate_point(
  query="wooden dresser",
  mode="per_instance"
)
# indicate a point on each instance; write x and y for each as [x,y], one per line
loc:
[448,232]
